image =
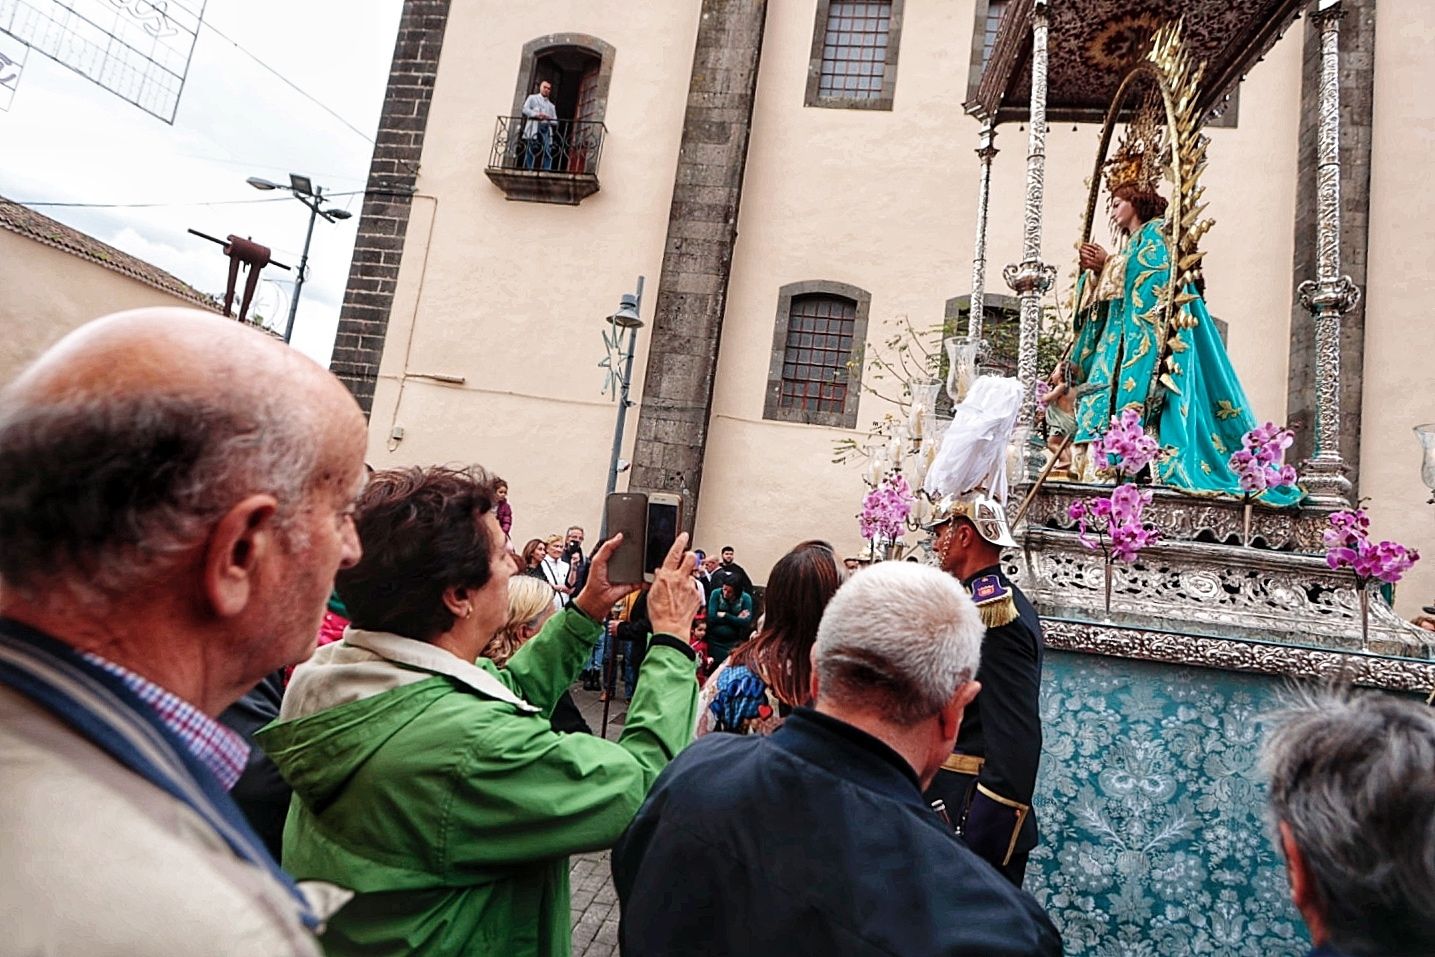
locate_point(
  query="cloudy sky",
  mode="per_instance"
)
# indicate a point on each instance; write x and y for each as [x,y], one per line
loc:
[66,140]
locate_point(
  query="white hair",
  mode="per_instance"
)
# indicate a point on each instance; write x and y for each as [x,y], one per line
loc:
[899,638]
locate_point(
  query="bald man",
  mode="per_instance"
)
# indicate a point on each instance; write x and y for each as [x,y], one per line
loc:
[175,494]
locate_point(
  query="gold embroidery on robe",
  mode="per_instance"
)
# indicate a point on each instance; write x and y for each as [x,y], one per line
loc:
[1224,410]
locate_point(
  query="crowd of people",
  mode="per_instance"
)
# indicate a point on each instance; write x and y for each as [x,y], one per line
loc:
[185,514]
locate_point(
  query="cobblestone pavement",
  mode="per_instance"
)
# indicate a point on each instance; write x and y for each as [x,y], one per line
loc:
[595,903]
[595,906]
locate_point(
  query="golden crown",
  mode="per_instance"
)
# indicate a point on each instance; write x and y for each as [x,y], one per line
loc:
[1140,160]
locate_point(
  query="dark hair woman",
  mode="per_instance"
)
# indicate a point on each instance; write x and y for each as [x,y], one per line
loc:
[770,674]
[404,746]
[533,554]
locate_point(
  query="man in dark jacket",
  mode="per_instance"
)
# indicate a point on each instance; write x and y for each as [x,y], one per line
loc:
[817,840]
[988,781]
[735,571]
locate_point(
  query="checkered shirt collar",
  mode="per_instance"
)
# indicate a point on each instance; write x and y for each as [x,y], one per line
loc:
[218,748]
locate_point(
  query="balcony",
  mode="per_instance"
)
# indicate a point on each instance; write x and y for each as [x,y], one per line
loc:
[556,166]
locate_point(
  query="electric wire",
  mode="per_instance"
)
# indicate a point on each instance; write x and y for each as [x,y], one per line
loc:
[288,82]
[200,202]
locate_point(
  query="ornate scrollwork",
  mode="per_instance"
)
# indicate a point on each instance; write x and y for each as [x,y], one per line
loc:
[1236,655]
[1216,591]
[1322,297]
[1184,517]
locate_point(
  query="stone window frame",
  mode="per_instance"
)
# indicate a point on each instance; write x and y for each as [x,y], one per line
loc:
[528,63]
[889,72]
[772,408]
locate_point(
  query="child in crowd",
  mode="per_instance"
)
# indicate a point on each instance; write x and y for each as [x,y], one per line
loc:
[503,511]
[700,645]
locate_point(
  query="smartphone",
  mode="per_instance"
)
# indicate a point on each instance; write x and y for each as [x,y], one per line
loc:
[664,521]
[627,512]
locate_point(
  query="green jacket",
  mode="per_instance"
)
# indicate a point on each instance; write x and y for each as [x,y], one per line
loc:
[733,625]
[431,788]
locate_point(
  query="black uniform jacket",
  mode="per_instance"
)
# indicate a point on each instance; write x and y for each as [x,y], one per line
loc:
[1003,726]
[817,841]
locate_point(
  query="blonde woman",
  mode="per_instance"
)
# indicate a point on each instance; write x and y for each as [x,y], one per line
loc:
[530,604]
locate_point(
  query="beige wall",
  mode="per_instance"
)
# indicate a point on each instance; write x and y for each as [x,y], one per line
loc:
[48,292]
[512,294]
[887,201]
[1399,329]
[509,295]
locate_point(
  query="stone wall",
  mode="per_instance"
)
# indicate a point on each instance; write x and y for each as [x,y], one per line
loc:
[697,257]
[374,269]
[1357,95]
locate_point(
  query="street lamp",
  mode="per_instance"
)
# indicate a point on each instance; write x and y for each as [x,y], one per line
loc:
[625,318]
[304,190]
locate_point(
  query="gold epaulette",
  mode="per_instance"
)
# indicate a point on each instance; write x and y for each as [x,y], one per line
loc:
[994,601]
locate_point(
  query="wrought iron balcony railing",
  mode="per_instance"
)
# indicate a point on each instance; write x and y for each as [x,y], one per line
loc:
[554,161]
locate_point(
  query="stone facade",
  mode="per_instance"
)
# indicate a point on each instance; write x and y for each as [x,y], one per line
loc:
[374,269]
[1357,97]
[697,257]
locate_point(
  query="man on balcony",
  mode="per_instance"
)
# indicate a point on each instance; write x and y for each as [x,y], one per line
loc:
[540,123]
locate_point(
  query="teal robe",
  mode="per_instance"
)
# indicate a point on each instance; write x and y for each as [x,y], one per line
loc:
[1203,418]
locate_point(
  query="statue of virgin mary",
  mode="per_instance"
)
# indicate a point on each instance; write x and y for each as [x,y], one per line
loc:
[1192,402]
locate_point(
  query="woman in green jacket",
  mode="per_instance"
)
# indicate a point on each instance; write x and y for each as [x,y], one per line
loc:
[428,781]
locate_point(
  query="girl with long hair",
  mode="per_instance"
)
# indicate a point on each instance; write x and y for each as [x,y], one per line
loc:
[771,673]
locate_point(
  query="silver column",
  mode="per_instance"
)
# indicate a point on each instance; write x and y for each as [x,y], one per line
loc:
[1330,295]
[1031,277]
[986,150]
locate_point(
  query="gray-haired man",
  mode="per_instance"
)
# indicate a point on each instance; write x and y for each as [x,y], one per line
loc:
[175,496]
[1352,792]
[816,840]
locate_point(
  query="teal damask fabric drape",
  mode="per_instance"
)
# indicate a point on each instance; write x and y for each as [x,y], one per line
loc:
[1154,836]
[1205,413]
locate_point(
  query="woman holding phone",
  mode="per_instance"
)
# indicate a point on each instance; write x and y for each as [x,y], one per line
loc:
[405,747]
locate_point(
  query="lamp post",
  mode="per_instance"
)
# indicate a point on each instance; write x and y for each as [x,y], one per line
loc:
[303,189]
[620,373]
[627,317]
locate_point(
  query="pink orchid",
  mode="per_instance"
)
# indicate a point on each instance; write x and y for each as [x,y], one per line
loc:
[1258,465]
[1127,445]
[885,508]
[1348,545]
[1113,525]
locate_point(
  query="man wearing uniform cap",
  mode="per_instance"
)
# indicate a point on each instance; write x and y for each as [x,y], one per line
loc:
[988,782]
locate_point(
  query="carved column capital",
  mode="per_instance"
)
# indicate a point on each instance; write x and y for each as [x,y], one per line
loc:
[1326,297]
[1327,11]
[1029,277]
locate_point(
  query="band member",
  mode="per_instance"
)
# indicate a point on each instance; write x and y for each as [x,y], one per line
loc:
[988,782]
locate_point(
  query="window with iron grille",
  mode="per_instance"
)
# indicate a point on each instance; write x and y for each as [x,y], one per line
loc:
[819,343]
[854,54]
[813,378]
